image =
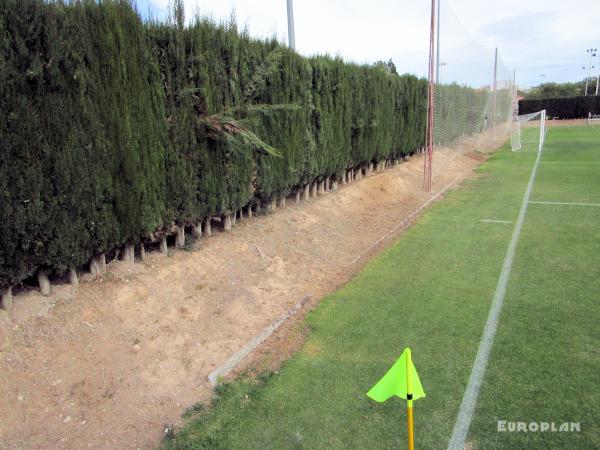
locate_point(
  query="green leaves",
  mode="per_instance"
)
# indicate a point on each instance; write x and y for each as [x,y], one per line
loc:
[235,134]
[112,127]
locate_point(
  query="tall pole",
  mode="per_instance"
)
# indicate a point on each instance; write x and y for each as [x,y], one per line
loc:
[597,79]
[515,93]
[290,16]
[409,402]
[587,79]
[437,58]
[428,160]
[592,52]
[494,94]
[515,105]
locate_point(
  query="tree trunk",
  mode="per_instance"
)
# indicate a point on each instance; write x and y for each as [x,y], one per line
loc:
[327,184]
[142,252]
[198,230]
[180,236]
[370,169]
[102,262]
[207,228]
[306,192]
[131,253]
[94,267]
[164,249]
[227,222]
[298,196]
[249,212]
[127,254]
[334,186]
[6,299]
[273,205]
[313,189]
[233,218]
[321,187]
[282,202]
[43,282]
[73,277]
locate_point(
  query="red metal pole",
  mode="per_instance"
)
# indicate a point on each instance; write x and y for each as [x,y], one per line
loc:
[427,169]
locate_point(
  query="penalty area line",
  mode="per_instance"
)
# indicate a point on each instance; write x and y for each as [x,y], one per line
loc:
[467,407]
[565,203]
[569,162]
[495,221]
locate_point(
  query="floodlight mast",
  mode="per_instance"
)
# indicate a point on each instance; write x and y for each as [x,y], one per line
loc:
[592,53]
[290,17]
[428,160]
[439,19]
[441,66]
[494,88]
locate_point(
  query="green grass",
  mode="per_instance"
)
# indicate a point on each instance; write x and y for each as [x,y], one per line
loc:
[432,291]
[545,364]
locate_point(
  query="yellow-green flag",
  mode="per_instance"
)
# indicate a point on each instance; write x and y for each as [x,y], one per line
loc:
[394,382]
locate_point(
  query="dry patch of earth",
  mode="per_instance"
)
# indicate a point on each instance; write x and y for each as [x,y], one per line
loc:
[106,365]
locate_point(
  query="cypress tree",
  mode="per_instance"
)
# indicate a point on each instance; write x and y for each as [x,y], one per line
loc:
[112,128]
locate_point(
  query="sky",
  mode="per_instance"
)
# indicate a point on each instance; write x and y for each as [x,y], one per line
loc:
[541,41]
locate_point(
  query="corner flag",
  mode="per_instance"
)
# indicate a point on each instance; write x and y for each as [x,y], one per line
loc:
[402,381]
[394,382]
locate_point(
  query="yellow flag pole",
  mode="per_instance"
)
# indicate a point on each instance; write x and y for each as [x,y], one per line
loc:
[409,401]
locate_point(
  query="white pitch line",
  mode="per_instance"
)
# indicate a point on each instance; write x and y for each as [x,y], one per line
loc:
[569,162]
[495,221]
[565,203]
[467,407]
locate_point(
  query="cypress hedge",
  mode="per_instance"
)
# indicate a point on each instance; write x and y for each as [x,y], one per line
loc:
[112,129]
[562,107]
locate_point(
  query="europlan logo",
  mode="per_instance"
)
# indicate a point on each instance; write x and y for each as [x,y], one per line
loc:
[538,427]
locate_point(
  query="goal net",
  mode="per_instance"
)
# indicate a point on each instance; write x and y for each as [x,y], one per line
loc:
[528,131]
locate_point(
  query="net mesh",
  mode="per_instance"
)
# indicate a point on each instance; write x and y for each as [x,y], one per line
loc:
[472,109]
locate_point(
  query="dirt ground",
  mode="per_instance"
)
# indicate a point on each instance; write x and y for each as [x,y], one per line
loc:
[108,364]
[570,123]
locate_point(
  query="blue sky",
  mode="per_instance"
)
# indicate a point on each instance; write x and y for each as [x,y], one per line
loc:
[533,37]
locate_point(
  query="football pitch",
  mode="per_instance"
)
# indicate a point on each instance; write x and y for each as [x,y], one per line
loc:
[432,291]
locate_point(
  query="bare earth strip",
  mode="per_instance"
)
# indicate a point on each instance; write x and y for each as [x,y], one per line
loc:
[105,366]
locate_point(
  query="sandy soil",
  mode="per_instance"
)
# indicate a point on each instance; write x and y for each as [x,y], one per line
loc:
[570,123]
[106,365]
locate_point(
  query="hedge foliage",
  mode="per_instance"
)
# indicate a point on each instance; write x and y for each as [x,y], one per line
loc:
[112,128]
[563,107]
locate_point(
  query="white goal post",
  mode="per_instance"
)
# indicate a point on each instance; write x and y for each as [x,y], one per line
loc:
[528,131]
